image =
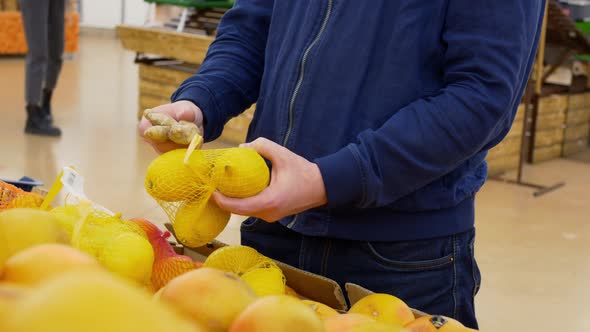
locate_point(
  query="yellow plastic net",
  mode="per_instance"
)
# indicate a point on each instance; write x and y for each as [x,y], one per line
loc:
[119,245]
[260,272]
[184,190]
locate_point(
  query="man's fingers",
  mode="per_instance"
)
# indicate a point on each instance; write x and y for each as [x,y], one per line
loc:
[144,124]
[250,206]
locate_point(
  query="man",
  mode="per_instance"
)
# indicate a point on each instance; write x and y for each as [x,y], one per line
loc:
[376,117]
[43,22]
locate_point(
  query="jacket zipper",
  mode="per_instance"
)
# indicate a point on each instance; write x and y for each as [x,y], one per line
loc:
[300,80]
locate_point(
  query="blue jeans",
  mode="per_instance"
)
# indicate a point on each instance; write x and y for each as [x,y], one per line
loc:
[438,276]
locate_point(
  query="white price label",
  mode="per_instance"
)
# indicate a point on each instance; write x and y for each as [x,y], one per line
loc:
[73,182]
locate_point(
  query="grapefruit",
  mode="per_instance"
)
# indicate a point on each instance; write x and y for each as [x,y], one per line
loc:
[322,310]
[345,322]
[93,301]
[384,308]
[211,297]
[277,313]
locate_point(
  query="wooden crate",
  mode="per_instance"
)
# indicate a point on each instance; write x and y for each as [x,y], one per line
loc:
[505,156]
[12,36]
[164,75]
[553,103]
[235,130]
[508,147]
[177,45]
[551,120]
[157,89]
[517,124]
[549,137]
[579,101]
[573,147]
[577,132]
[156,85]
[575,117]
[547,153]
[502,164]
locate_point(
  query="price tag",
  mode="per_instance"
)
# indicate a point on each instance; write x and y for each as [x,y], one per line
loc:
[73,182]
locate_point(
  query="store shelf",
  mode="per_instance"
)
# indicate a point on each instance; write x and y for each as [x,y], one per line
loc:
[187,47]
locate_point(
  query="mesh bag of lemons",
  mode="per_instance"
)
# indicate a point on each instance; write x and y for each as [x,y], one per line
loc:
[119,245]
[183,188]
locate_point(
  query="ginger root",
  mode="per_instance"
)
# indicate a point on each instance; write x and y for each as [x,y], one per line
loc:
[183,132]
[157,133]
[160,119]
[165,128]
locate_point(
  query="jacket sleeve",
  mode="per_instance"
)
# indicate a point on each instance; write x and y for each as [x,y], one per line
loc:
[490,47]
[228,81]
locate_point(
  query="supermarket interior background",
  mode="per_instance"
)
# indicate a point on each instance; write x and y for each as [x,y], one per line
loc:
[532,250]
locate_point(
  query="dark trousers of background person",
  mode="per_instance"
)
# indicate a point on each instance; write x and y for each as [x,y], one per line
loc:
[43,22]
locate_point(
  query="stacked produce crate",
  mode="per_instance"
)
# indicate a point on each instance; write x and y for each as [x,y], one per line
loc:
[577,124]
[157,82]
[167,57]
[549,128]
[506,155]
[12,36]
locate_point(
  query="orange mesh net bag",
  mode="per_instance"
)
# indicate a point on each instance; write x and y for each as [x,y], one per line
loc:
[14,197]
[183,188]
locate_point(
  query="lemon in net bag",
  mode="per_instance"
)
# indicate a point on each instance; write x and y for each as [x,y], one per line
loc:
[119,245]
[184,189]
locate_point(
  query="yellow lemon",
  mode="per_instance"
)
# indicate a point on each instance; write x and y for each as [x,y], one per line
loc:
[169,179]
[128,255]
[240,172]
[198,223]
[260,272]
[24,228]
[265,281]
[237,259]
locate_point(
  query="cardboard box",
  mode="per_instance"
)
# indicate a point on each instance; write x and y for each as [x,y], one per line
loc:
[306,284]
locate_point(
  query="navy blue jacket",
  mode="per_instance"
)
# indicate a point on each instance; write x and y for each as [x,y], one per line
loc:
[397,101]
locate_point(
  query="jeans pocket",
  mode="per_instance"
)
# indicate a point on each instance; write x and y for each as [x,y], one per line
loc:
[475,268]
[250,224]
[412,257]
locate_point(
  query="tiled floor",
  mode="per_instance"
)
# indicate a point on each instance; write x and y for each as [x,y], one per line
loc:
[534,253]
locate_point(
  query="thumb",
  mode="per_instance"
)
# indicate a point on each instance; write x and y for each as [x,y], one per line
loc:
[184,115]
[269,150]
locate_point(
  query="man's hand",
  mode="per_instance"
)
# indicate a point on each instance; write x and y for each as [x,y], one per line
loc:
[180,110]
[296,185]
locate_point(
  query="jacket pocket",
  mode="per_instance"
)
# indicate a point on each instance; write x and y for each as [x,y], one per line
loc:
[414,256]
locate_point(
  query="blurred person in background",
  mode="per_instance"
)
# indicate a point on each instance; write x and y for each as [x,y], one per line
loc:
[43,22]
